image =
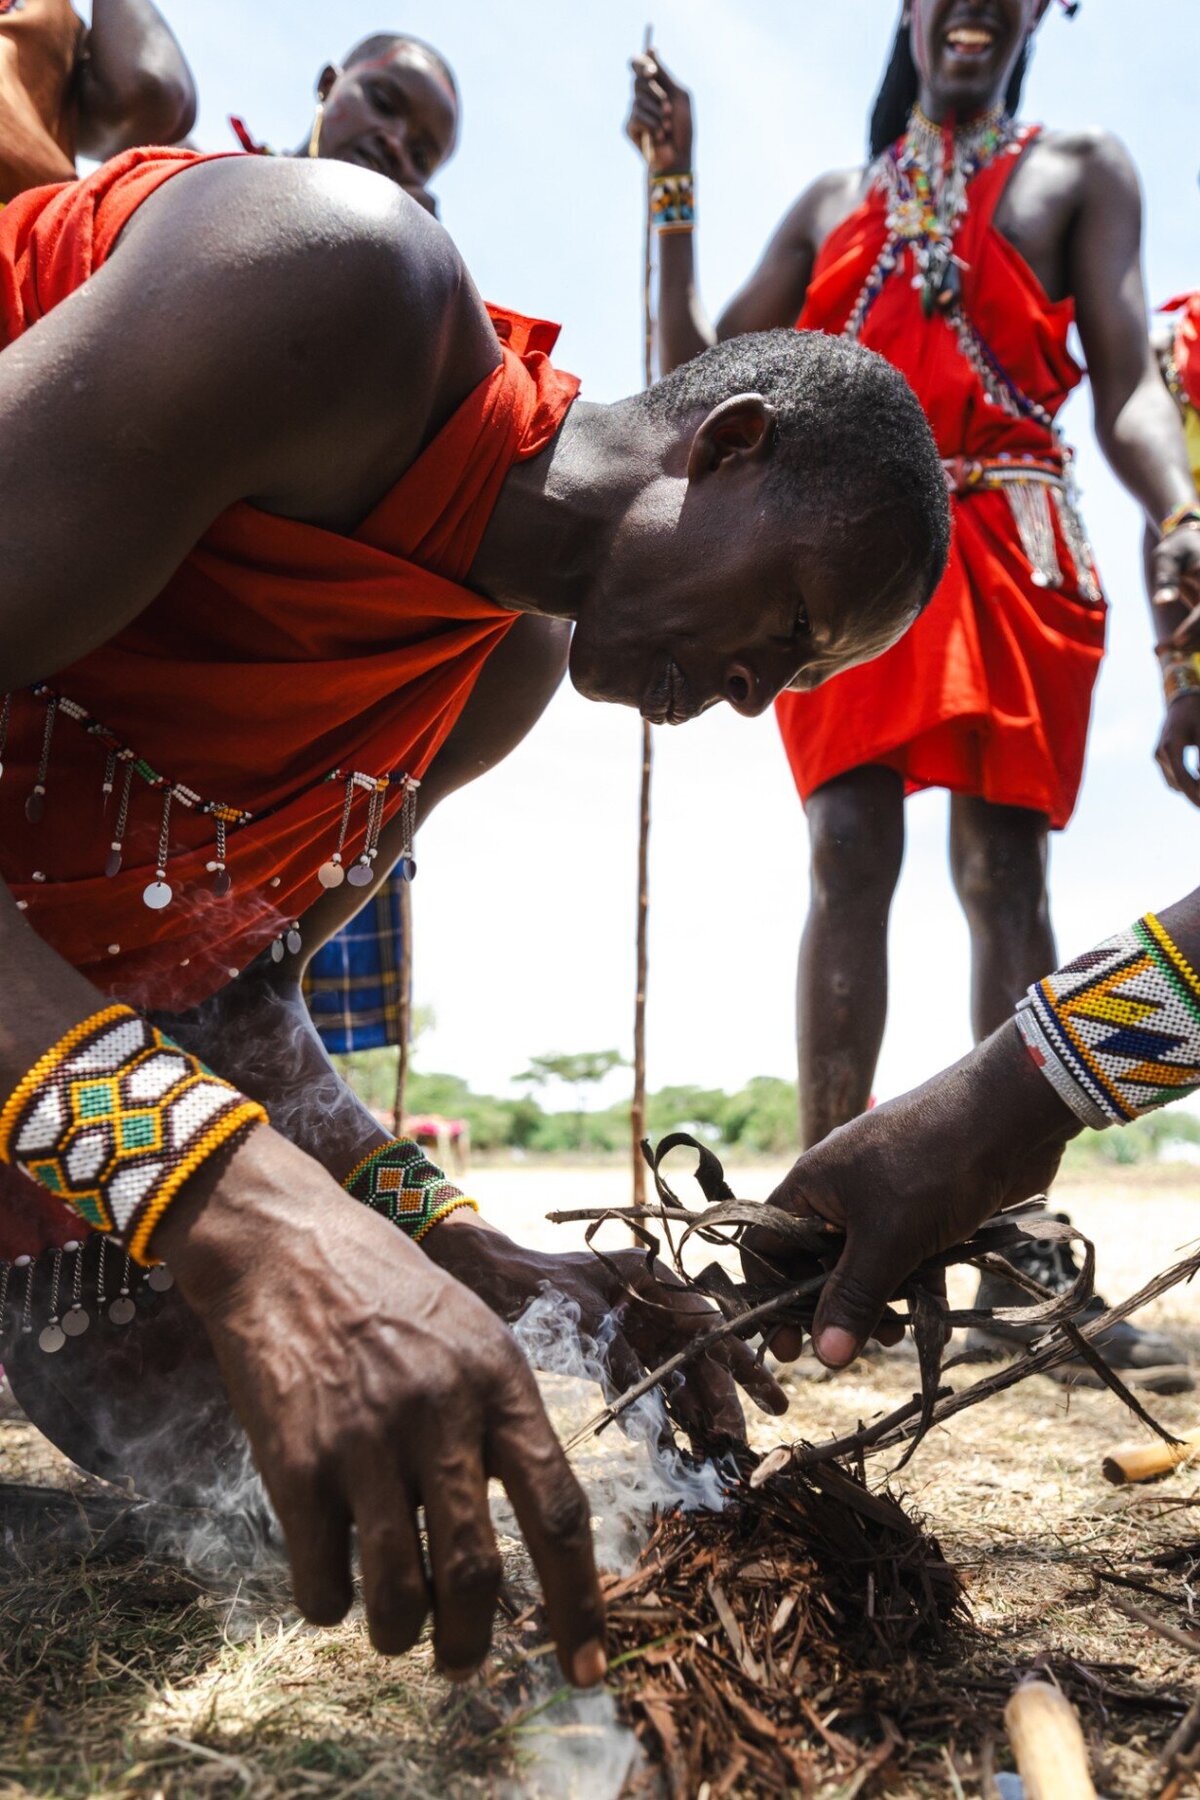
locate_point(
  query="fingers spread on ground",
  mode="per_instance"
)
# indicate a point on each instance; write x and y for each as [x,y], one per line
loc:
[395,1588]
[462,1552]
[552,1511]
[316,1526]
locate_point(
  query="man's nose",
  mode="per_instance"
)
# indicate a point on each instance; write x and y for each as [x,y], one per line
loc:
[744,691]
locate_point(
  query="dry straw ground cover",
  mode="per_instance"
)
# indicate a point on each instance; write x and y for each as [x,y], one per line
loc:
[124,1675]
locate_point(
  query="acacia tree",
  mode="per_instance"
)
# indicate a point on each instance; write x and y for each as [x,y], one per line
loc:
[581,1071]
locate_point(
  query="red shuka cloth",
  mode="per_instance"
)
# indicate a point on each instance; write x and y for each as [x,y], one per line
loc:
[1187,343]
[990,692]
[278,653]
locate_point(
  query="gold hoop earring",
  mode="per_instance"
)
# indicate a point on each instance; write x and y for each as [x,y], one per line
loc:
[314,136]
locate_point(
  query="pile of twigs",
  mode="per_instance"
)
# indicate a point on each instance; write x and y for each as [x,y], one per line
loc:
[754,1646]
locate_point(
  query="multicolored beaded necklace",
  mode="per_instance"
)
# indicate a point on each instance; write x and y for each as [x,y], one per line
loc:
[925,178]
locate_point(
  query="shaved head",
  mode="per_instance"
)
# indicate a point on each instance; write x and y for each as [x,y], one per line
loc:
[383,43]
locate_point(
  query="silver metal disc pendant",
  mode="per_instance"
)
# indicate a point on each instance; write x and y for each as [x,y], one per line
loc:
[122,1310]
[75,1321]
[359,875]
[277,950]
[158,895]
[331,875]
[295,942]
[223,884]
[113,865]
[160,1279]
[35,808]
[51,1338]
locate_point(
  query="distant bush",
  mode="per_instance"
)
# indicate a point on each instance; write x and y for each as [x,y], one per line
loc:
[1147,1140]
[760,1118]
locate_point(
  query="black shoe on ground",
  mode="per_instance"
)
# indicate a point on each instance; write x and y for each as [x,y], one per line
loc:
[1144,1359]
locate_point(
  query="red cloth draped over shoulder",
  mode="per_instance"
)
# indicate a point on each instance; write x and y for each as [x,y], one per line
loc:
[278,654]
[990,692]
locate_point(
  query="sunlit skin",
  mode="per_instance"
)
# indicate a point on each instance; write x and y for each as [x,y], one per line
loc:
[396,115]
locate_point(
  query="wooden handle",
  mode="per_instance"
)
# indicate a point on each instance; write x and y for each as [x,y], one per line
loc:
[1047,1741]
[1142,1462]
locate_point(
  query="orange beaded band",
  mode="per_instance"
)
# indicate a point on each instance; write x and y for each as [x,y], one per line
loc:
[113,1120]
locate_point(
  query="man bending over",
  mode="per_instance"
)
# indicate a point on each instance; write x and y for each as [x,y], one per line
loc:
[311,495]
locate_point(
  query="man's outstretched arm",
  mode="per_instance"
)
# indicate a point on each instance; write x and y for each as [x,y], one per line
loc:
[920,1173]
[135,86]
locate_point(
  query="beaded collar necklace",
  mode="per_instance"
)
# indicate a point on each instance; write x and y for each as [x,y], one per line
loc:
[926,177]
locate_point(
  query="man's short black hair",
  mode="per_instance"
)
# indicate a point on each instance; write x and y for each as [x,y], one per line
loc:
[852,439]
[382,43]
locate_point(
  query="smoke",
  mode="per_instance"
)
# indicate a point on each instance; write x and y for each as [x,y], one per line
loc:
[577,1748]
[629,1473]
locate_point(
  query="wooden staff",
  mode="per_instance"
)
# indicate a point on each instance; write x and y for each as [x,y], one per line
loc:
[1047,1742]
[1143,1462]
[637,1111]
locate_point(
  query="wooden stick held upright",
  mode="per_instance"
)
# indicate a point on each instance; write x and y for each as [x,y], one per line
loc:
[637,1111]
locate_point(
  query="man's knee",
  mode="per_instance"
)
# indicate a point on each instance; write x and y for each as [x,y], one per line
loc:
[856,844]
[1001,876]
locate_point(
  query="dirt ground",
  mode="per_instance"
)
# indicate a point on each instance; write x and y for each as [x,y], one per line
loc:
[123,1676]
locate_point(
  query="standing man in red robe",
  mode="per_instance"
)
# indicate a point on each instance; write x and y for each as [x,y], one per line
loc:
[963,252]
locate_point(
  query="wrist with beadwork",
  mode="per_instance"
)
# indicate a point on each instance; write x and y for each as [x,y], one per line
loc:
[398,1180]
[115,1118]
[673,201]
[1117,1031]
[1180,671]
[1187,514]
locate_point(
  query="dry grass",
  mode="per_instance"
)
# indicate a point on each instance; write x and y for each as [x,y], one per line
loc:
[123,1677]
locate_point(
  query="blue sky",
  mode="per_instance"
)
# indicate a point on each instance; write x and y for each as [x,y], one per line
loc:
[525,899]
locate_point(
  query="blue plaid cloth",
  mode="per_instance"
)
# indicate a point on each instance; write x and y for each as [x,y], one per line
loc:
[353,985]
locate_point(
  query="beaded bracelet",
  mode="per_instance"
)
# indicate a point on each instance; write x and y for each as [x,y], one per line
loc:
[114,1119]
[1187,514]
[398,1180]
[1180,675]
[1117,1031]
[673,202]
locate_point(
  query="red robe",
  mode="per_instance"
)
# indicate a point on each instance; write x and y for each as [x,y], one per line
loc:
[990,692]
[277,654]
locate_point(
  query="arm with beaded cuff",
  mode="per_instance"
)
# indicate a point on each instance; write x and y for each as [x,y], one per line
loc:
[1116,1032]
[100,1108]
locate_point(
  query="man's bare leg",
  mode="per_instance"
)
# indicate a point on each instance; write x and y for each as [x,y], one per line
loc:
[856,838]
[998,858]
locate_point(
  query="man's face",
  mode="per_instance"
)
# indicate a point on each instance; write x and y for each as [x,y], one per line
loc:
[729,598]
[966,50]
[396,115]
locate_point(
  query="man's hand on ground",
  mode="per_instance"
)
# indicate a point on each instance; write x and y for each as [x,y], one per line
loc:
[915,1177]
[371,1384]
[642,1317]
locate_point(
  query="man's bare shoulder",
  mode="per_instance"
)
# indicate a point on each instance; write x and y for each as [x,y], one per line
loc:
[824,203]
[263,217]
[1092,151]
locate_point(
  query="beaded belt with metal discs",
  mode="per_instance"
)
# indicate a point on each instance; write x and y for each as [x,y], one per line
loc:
[89,1281]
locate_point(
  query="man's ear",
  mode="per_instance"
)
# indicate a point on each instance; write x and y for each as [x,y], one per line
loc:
[742,427]
[326,80]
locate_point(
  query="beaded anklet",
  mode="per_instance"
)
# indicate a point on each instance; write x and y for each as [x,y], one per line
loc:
[399,1181]
[1117,1031]
[114,1119]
